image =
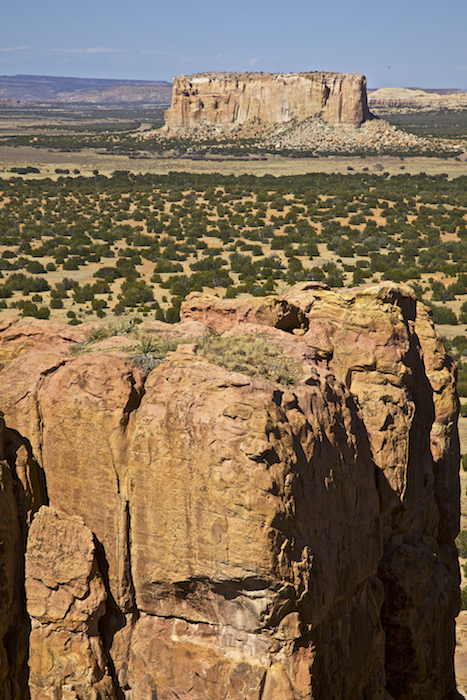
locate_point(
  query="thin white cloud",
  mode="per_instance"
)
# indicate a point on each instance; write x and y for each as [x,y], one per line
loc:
[93,50]
[16,48]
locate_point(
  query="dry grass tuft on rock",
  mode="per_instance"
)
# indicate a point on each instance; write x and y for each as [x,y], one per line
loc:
[254,356]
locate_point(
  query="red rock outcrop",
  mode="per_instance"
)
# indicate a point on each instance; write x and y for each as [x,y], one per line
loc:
[203,534]
[232,99]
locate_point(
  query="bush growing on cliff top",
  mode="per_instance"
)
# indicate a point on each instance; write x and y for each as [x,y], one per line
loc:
[250,355]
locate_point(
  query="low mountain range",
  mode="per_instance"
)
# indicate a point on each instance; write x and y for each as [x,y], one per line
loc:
[35,88]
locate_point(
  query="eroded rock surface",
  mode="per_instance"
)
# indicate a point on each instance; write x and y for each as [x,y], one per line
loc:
[204,534]
[65,599]
[233,99]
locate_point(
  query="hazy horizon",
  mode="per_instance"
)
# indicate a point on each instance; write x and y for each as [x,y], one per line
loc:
[411,44]
[170,82]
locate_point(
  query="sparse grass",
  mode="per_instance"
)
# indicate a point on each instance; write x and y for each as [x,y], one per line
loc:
[257,357]
[158,347]
[79,348]
[250,355]
[151,352]
[102,333]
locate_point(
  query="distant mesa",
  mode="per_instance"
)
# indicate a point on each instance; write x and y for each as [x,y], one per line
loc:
[46,89]
[235,99]
[417,99]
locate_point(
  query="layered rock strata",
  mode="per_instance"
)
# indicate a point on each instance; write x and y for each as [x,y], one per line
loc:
[228,100]
[202,533]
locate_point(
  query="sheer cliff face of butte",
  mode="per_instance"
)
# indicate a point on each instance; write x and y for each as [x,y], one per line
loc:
[233,99]
[202,534]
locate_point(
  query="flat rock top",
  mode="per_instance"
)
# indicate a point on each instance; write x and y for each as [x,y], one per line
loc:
[258,76]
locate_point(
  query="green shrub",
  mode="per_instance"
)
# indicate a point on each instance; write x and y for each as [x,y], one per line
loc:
[442,315]
[461,544]
[464,462]
[119,308]
[464,598]
[98,304]
[172,315]
[31,309]
[135,293]
[35,267]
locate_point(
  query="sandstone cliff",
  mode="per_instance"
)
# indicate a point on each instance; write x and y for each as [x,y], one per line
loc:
[228,100]
[202,533]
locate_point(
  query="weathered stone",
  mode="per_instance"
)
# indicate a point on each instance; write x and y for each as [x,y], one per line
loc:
[18,335]
[237,538]
[230,99]
[65,599]
[87,410]
[223,314]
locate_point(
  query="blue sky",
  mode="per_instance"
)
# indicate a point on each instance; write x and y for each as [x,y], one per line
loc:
[401,43]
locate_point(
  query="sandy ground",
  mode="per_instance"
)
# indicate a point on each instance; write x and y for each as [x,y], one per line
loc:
[88,160]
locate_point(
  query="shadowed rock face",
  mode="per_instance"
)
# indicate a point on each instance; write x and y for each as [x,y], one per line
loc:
[200,533]
[233,99]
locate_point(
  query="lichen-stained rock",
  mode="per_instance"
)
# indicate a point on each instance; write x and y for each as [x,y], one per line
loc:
[381,343]
[231,99]
[65,599]
[174,658]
